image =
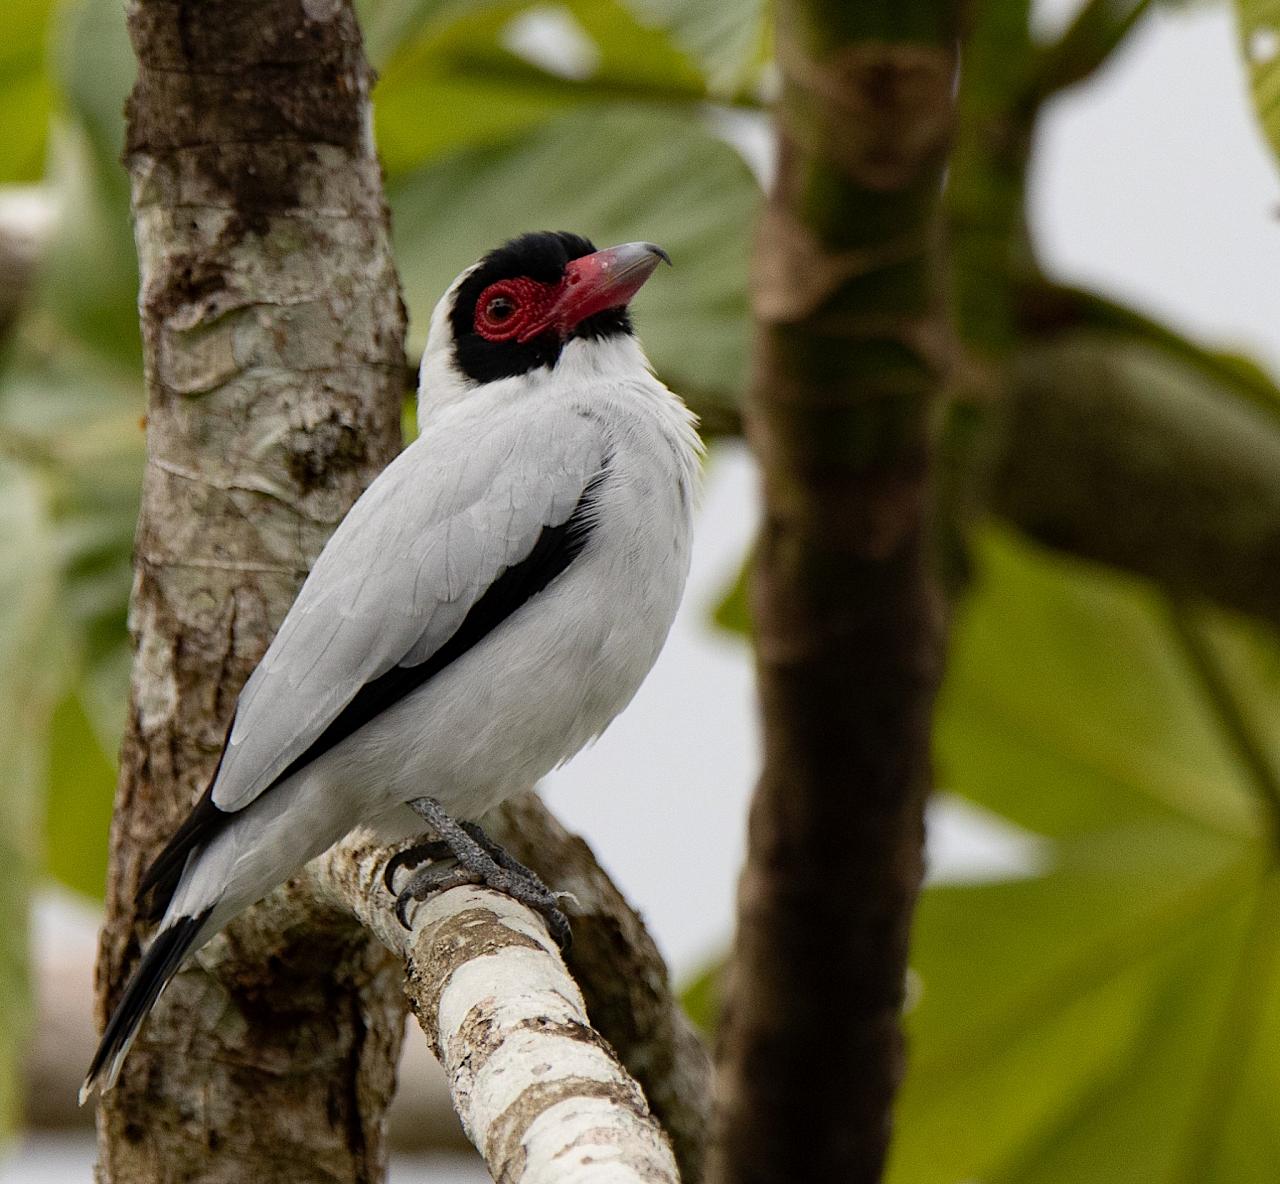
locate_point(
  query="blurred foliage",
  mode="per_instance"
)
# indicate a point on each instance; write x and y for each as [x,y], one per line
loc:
[1237,376]
[702,998]
[26,89]
[1259,22]
[28,578]
[1114,1014]
[592,116]
[1113,1017]
[626,174]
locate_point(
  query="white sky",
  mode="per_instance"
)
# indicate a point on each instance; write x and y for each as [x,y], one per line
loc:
[1154,184]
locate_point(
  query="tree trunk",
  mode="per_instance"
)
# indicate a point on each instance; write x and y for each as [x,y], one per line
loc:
[852,345]
[273,336]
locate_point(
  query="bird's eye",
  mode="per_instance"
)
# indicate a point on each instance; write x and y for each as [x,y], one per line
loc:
[505,310]
[499,309]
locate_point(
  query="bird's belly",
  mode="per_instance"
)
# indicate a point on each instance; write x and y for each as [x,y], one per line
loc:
[526,698]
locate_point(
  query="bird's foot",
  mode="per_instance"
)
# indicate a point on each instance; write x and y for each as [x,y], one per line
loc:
[415,856]
[479,861]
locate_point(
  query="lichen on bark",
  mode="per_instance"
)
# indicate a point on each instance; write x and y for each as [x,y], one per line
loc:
[540,1093]
[623,979]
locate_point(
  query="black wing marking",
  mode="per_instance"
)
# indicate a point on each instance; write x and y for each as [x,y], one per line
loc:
[555,549]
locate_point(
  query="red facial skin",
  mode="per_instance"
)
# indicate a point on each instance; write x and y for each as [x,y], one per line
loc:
[515,309]
[522,309]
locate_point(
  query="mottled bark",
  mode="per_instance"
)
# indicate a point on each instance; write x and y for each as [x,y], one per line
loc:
[273,331]
[852,345]
[540,1093]
[623,978]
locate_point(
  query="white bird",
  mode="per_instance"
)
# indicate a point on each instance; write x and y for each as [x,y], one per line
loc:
[491,602]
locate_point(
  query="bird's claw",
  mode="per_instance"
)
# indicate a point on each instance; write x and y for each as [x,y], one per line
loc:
[479,861]
[529,891]
[427,883]
[419,853]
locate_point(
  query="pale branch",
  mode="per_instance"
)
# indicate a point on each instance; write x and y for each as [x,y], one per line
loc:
[540,1093]
[623,978]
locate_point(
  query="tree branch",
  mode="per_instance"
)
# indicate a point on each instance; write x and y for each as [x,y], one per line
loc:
[623,978]
[539,1092]
[19,257]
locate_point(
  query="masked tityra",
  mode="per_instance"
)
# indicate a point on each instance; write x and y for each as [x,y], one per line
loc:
[493,600]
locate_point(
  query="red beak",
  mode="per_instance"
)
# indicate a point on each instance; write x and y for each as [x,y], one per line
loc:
[607,279]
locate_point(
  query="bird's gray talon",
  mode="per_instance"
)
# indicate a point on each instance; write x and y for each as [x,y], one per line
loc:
[427,882]
[479,861]
[482,861]
[558,927]
[413,856]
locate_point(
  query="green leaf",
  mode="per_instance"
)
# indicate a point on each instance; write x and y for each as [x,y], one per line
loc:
[1260,48]
[70,405]
[1113,1018]
[667,179]
[26,93]
[729,39]
[79,790]
[1052,310]
[87,287]
[733,612]
[702,999]
[96,68]
[73,418]
[1244,654]
[460,67]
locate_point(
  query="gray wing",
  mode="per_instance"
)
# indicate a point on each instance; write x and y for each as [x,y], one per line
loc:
[400,574]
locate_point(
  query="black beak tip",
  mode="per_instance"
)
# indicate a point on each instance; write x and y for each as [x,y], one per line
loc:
[657,250]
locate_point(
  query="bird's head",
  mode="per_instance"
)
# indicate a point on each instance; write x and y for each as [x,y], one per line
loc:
[518,309]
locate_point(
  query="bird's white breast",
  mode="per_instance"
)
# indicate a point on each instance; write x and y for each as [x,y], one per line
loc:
[553,675]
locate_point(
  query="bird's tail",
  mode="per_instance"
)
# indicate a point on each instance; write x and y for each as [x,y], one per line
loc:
[159,964]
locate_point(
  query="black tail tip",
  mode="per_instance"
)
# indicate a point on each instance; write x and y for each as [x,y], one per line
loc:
[159,964]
